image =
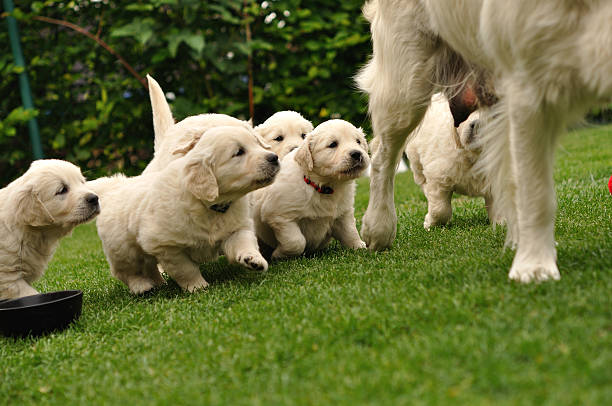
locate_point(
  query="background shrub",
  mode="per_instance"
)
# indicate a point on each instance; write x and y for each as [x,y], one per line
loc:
[96,114]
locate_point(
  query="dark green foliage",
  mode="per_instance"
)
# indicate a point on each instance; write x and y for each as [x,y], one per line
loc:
[94,113]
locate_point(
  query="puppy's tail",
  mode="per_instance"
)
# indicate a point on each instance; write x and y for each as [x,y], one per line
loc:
[162,116]
[101,186]
[495,166]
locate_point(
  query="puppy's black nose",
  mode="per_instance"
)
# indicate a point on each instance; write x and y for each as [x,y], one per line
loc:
[272,158]
[356,155]
[91,199]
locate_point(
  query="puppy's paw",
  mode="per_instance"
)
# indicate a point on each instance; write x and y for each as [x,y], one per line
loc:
[139,285]
[278,254]
[253,261]
[195,285]
[357,245]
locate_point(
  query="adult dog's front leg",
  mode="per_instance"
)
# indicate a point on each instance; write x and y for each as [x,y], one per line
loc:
[241,247]
[291,241]
[532,138]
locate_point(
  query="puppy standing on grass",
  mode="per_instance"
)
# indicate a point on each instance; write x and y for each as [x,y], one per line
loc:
[442,160]
[284,131]
[186,213]
[36,211]
[313,195]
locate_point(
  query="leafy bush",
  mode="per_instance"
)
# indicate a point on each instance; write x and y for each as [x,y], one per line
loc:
[94,113]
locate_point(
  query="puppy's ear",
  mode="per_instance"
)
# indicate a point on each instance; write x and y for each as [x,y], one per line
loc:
[186,147]
[364,142]
[30,209]
[303,156]
[200,179]
[262,141]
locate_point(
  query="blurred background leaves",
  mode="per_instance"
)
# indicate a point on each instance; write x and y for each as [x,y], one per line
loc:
[96,114]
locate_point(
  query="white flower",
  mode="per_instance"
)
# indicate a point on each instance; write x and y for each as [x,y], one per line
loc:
[265,5]
[280,24]
[230,55]
[269,18]
[170,96]
[286,13]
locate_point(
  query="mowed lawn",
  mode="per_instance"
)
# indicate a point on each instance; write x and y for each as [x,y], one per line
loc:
[434,320]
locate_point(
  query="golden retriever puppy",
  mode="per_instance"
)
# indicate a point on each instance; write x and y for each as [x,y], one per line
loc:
[313,195]
[186,213]
[546,62]
[442,160]
[284,131]
[36,211]
[169,136]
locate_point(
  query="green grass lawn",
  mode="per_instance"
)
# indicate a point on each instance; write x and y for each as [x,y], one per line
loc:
[434,320]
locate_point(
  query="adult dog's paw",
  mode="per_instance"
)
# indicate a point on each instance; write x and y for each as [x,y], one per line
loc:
[253,261]
[524,271]
[378,229]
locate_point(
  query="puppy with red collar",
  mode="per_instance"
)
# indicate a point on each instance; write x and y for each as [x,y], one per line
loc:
[312,198]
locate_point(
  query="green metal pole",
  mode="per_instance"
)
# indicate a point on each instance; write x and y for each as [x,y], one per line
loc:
[24,84]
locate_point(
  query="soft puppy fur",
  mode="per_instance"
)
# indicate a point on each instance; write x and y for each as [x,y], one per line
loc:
[284,131]
[186,213]
[36,211]
[547,62]
[170,136]
[442,160]
[291,216]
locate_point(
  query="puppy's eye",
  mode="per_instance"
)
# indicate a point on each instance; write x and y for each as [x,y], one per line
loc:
[303,136]
[358,142]
[333,145]
[63,190]
[279,138]
[240,151]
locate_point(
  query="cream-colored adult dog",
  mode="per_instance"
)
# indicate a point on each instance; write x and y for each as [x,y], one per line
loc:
[174,140]
[284,131]
[547,61]
[312,198]
[442,160]
[36,211]
[186,213]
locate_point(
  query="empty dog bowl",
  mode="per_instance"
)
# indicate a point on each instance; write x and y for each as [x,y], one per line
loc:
[39,314]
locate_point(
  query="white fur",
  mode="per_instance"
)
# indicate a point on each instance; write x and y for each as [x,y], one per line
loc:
[169,136]
[442,160]
[35,213]
[284,131]
[291,216]
[550,60]
[167,217]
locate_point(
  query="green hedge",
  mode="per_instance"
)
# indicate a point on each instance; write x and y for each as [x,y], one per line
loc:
[94,113]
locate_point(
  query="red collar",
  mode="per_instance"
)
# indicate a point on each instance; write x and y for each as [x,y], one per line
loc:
[326,190]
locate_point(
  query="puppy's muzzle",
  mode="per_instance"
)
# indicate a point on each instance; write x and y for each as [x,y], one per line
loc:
[356,156]
[272,159]
[93,202]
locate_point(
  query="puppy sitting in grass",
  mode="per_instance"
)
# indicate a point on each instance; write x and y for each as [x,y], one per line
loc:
[187,213]
[284,131]
[312,199]
[36,211]
[442,158]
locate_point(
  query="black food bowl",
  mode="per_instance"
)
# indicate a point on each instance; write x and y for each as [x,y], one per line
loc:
[39,314]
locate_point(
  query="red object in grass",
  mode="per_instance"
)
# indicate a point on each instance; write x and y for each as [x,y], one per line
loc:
[610,185]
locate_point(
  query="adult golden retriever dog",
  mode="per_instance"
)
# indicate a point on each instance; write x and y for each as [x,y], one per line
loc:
[36,211]
[546,62]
